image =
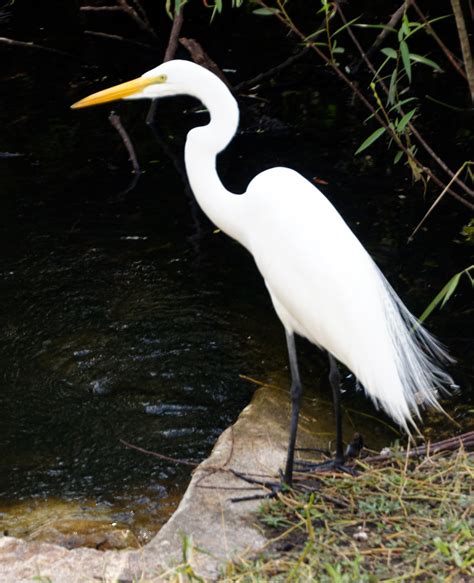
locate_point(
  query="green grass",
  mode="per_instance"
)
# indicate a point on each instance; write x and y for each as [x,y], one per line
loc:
[407,521]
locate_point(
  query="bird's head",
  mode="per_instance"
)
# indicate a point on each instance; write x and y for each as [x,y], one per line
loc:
[171,78]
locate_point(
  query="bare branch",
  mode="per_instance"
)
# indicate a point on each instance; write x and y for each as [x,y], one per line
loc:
[396,16]
[200,57]
[466,441]
[29,45]
[288,23]
[465,45]
[116,37]
[174,35]
[271,72]
[100,9]
[160,456]
[449,55]
[413,129]
[143,24]
[169,54]
[117,124]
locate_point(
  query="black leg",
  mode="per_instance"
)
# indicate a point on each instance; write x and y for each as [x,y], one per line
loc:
[335,380]
[296,394]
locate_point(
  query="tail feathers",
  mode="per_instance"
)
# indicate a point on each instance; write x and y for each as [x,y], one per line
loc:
[419,359]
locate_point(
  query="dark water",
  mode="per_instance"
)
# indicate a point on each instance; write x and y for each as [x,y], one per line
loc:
[126,317]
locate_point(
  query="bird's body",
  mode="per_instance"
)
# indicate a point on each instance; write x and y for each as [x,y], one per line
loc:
[325,287]
[323,284]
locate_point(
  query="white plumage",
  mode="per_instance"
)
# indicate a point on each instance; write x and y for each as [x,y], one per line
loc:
[325,287]
[323,284]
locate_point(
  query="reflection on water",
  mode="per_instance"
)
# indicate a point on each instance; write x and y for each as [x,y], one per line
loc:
[125,319]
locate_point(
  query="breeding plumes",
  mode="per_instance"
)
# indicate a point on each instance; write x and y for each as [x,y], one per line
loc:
[323,284]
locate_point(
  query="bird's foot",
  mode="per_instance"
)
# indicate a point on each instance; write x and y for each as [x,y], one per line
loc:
[338,464]
[273,488]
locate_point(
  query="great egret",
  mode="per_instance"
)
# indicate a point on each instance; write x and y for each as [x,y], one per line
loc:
[323,284]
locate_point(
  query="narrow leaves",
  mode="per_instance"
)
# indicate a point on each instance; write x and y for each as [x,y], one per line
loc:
[370,140]
[405,120]
[405,52]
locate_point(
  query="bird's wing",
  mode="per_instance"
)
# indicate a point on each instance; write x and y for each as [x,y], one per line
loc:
[325,286]
[314,266]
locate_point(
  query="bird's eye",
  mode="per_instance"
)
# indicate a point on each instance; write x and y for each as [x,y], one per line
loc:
[160,78]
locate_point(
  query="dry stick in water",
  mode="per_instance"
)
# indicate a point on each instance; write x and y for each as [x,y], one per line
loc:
[117,124]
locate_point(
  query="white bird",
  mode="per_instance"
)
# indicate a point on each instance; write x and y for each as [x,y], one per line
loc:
[322,282]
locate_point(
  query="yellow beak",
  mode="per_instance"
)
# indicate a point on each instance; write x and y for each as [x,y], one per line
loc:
[117,92]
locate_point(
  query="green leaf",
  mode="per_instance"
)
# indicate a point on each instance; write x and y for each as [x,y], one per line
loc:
[402,124]
[392,90]
[389,52]
[404,30]
[370,140]
[398,156]
[441,546]
[401,103]
[424,61]
[344,26]
[450,287]
[382,26]
[266,11]
[405,52]
[314,34]
[443,296]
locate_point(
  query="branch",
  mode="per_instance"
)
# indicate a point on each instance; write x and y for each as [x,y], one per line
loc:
[117,124]
[466,440]
[415,132]
[160,456]
[141,22]
[465,45]
[396,16]
[449,55]
[288,23]
[100,9]
[169,54]
[174,35]
[200,57]
[122,6]
[116,37]
[30,45]
[271,72]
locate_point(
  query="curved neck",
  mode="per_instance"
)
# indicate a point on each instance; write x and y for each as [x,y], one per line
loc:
[202,146]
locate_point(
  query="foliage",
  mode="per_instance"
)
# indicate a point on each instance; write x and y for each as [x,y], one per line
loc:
[443,296]
[392,63]
[468,231]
